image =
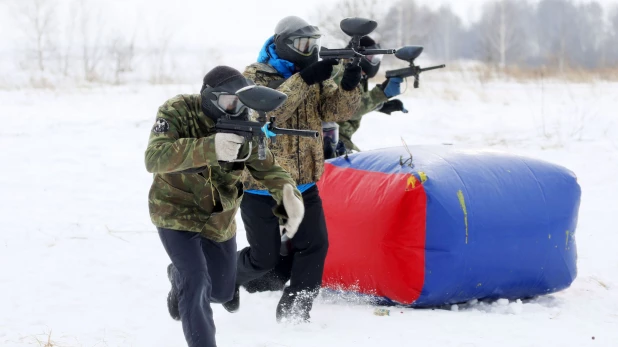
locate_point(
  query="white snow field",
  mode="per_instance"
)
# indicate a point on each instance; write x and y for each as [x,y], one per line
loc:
[81,264]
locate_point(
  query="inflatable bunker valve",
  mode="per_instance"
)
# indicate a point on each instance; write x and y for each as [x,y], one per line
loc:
[438,225]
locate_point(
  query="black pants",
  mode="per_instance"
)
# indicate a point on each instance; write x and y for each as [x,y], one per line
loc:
[309,245]
[275,279]
[204,273]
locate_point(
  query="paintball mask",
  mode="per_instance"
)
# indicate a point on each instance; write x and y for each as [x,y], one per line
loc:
[370,63]
[305,46]
[218,94]
[330,132]
[297,42]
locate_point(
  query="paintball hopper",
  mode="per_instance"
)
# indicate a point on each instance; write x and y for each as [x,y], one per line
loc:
[261,98]
[358,26]
[409,53]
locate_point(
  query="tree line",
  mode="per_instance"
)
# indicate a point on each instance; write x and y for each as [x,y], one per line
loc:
[558,34]
[74,40]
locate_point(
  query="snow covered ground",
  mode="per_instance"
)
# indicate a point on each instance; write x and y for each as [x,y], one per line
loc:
[81,264]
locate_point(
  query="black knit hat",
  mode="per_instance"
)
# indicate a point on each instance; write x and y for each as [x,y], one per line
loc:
[221,79]
[220,75]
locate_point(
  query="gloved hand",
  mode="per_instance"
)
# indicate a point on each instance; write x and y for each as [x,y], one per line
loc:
[227,146]
[340,150]
[393,106]
[286,246]
[351,77]
[392,86]
[295,210]
[318,72]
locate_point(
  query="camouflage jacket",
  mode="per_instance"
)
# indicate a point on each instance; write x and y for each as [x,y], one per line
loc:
[191,190]
[371,100]
[305,109]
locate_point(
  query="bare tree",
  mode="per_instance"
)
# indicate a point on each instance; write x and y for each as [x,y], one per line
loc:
[554,28]
[122,54]
[571,34]
[612,38]
[406,23]
[91,28]
[502,33]
[445,37]
[69,37]
[161,61]
[39,25]
[586,51]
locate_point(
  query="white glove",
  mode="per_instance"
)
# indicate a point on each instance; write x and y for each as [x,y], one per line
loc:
[227,146]
[295,210]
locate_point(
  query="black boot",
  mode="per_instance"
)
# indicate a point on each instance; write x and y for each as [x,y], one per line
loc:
[294,307]
[271,281]
[234,304]
[172,296]
[275,279]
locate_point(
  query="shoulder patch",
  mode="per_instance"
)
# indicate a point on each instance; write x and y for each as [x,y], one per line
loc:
[161,126]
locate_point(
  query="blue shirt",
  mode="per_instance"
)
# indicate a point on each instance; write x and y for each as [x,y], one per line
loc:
[302,188]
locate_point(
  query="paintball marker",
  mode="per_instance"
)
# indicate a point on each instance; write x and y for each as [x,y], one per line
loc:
[261,99]
[409,53]
[357,28]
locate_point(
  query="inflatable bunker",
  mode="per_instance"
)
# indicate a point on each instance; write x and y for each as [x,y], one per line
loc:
[428,226]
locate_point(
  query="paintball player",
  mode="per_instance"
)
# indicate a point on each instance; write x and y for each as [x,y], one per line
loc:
[289,62]
[337,139]
[376,99]
[196,191]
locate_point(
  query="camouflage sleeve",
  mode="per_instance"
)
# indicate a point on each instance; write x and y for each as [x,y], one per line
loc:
[370,101]
[336,104]
[338,72]
[251,73]
[346,130]
[167,152]
[294,87]
[269,173]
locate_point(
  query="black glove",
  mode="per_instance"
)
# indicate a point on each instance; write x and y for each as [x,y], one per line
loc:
[318,72]
[351,77]
[341,150]
[393,106]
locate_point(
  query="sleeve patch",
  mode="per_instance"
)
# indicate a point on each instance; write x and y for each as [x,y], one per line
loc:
[161,126]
